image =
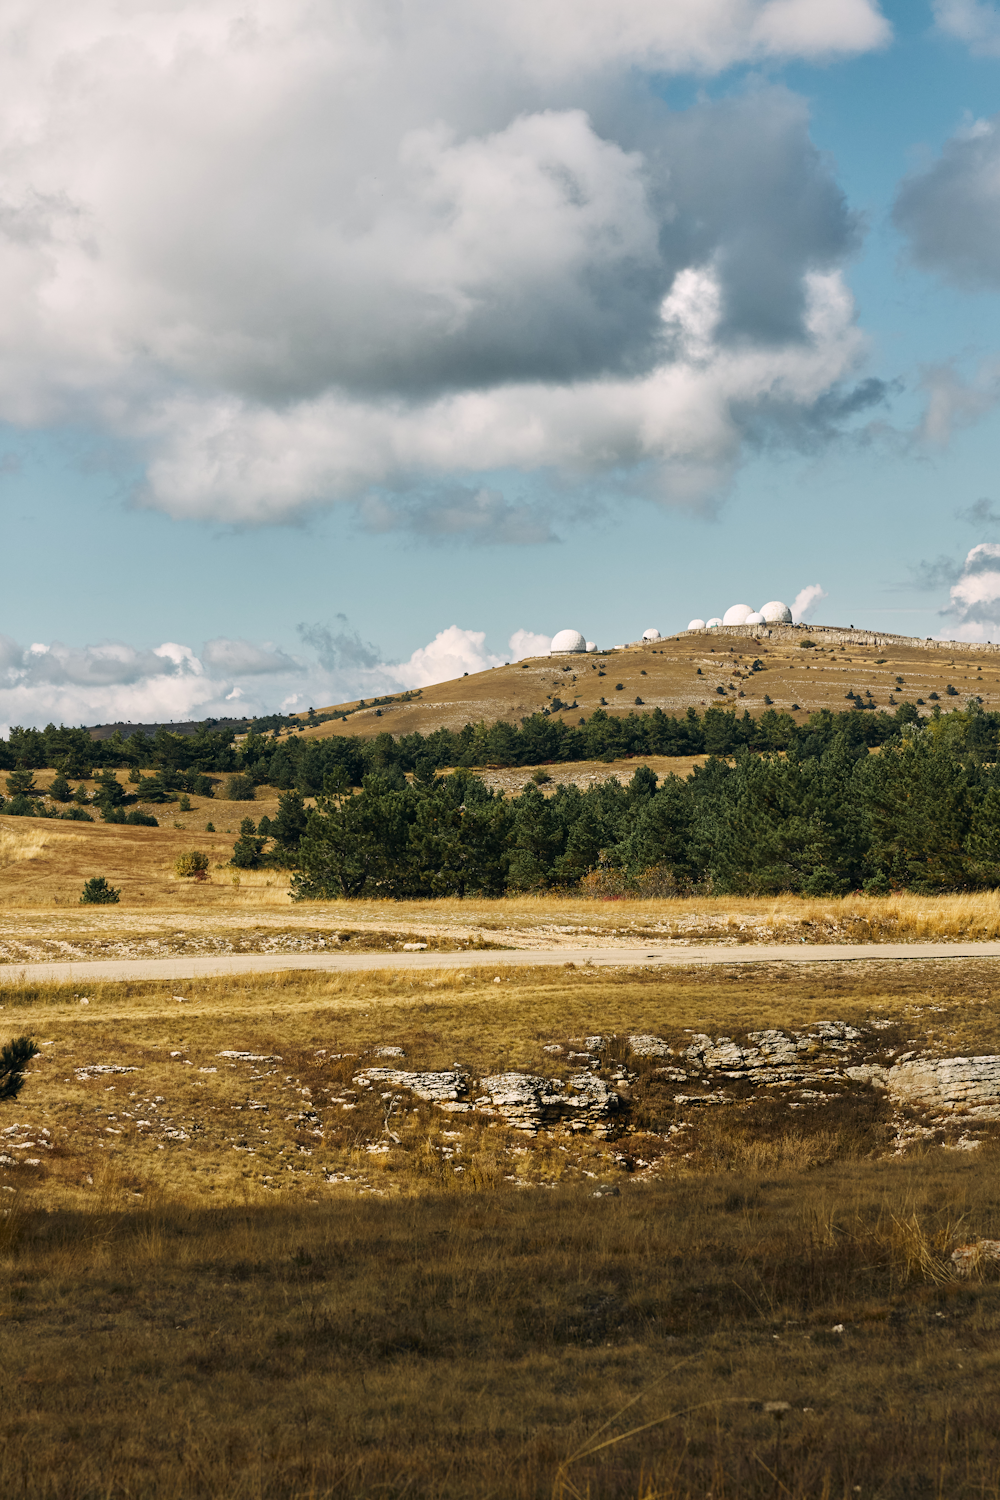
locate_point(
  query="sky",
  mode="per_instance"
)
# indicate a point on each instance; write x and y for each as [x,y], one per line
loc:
[347,347]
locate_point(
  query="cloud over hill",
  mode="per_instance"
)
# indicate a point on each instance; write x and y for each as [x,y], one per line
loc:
[296,254]
[113,681]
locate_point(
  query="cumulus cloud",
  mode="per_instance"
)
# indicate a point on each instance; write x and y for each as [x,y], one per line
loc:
[971,21]
[806,600]
[298,254]
[116,682]
[975,597]
[950,210]
[528,643]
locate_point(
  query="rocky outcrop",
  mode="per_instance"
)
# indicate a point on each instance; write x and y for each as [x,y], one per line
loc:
[528,1103]
[967,1085]
[448,1089]
[522,1100]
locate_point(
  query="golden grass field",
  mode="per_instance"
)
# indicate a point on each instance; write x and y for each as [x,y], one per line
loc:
[243,1278]
[219,1282]
[666,675]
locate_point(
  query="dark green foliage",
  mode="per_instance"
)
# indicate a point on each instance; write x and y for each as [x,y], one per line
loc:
[60,789]
[240,788]
[97,892]
[21,783]
[14,1058]
[76,815]
[248,847]
[109,794]
[139,819]
[21,807]
[290,824]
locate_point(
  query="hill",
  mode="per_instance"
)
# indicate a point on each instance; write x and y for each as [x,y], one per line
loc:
[798,669]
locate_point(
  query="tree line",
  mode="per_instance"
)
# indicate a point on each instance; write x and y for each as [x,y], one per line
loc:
[828,816]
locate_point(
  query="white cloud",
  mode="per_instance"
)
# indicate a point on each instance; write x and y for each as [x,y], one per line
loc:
[970,21]
[806,600]
[292,252]
[975,597]
[115,682]
[528,643]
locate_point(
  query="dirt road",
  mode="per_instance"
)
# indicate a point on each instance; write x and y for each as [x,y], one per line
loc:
[182,967]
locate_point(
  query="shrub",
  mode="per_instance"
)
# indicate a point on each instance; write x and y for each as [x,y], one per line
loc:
[14,1057]
[540,777]
[240,788]
[184,805]
[209,827]
[60,789]
[950,690]
[140,819]
[21,807]
[97,892]
[193,865]
[76,815]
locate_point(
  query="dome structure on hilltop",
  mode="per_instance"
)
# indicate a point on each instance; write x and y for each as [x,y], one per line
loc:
[592,647]
[776,613]
[736,614]
[651,635]
[754,619]
[713,623]
[567,640]
[696,625]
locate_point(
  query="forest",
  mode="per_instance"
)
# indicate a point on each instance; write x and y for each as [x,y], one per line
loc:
[848,801]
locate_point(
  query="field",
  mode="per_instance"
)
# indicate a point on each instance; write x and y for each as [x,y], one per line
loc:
[313,1235]
[230,1269]
[686,671]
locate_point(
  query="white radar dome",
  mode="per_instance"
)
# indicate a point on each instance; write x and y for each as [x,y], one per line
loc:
[592,646]
[736,614]
[776,613]
[754,619]
[713,623]
[567,640]
[651,635]
[696,625]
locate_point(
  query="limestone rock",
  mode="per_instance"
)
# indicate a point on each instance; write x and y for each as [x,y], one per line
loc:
[448,1089]
[528,1102]
[970,1085]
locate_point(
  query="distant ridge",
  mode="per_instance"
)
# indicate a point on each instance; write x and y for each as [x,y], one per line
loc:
[840,635]
[188,726]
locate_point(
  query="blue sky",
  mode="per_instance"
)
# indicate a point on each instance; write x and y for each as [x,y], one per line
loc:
[334,360]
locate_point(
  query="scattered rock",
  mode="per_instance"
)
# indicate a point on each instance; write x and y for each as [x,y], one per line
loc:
[649,1046]
[390,1051]
[968,1258]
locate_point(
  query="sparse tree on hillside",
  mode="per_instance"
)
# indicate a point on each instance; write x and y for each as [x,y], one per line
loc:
[21,783]
[60,789]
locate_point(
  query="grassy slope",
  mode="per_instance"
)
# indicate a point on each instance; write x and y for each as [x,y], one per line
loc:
[666,676]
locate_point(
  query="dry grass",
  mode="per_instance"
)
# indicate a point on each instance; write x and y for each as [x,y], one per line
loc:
[20,843]
[504,1344]
[666,675]
[211,1287]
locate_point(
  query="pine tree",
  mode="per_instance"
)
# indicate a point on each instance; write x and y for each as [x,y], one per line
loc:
[14,1058]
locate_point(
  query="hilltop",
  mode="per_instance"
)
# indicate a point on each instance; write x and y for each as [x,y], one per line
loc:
[798,669]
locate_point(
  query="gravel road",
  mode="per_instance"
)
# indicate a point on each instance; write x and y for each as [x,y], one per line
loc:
[181,967]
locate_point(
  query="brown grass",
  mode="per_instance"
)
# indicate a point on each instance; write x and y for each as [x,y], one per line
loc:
[665,676]
[213,1288]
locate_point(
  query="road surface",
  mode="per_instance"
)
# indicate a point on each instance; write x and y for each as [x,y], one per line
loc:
[666,957]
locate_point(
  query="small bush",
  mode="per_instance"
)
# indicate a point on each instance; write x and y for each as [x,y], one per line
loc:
[192,866]
[184,805]
[951,691]
[97,892]
[240,788]
[21,807]
[540,777]
[76,815]
[140,819]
